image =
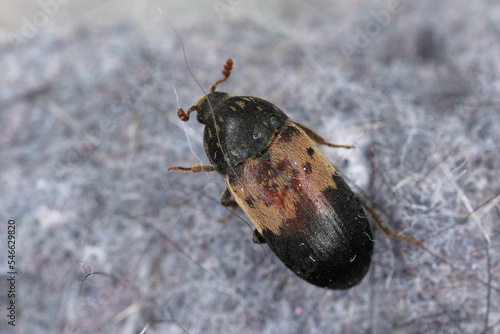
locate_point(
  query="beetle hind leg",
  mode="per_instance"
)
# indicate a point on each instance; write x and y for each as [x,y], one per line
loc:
[383,226]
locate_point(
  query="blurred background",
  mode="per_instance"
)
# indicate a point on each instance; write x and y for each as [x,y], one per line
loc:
[108,242]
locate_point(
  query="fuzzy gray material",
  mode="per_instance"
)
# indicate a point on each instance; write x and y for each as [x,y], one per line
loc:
[89,128]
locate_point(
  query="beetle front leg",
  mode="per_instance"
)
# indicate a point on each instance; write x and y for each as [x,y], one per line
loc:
[195,168]
[227,200]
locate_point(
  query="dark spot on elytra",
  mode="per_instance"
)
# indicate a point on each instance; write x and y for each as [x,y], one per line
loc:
[307,168]
[310,151]
[265,171]
[267,202]
[288,132]
[284,164]
[250,201]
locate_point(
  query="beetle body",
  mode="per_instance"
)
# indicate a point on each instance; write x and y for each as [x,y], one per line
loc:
[299,204]
[304,210]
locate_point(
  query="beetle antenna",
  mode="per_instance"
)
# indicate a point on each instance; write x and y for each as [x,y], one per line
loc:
[226,72]
[183,115]
[185,58]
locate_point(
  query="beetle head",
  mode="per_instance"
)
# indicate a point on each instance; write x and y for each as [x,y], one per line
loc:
[206,106]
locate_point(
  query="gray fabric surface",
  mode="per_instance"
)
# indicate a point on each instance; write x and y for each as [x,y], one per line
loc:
[89,128]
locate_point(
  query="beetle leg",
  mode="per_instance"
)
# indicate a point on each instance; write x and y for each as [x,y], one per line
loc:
[257,238]
[318,139]
[227,200]
[383,226]
[195,168]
